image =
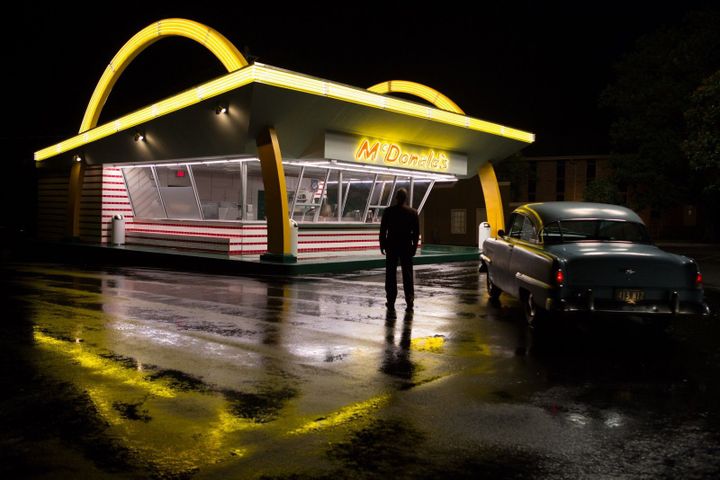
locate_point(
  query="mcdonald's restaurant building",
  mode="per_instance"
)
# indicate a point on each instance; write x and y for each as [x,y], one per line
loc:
[222,167]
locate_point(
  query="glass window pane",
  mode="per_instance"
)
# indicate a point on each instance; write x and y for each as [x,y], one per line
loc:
[516,225]
[383,188]
[329,209]
[143,192]
[219,187]
[380,196]
[528,231]
[356,188]
[292,175]
[419,190]
[255,208]
[177,192]
[309,194]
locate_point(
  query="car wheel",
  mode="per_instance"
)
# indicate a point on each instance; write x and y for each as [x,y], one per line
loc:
[534,314]
[492,289]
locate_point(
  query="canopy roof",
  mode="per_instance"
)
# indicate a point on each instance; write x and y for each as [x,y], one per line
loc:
[301,108]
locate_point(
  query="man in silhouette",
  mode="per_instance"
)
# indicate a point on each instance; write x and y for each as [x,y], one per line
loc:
[399,234]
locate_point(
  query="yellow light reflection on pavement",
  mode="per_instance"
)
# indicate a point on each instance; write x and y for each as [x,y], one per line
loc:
[428,344]
[347,414]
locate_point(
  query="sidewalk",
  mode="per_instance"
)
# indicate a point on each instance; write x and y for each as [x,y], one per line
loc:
[246,265]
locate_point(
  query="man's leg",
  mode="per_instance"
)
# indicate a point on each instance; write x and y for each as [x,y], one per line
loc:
[391,262]
[408,281]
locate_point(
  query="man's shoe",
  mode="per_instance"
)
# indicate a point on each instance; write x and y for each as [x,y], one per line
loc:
[410,307]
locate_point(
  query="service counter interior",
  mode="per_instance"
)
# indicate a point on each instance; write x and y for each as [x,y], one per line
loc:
[219,205]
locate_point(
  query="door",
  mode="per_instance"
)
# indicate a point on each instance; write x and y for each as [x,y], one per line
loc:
[501,260]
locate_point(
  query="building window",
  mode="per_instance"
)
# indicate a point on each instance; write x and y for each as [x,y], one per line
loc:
[233,190]
[143,192]
[590,171]
[532,181]
[458,221]
[219,188]
[560,180]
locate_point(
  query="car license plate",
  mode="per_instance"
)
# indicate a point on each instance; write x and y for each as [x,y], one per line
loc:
[629,296]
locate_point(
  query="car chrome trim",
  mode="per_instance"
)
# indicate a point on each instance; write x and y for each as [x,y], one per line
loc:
[532,281]
[485,258]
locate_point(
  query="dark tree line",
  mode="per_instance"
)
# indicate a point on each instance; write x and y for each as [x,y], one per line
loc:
[666,106]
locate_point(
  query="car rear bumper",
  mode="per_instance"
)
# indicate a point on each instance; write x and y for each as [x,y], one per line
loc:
[644,309]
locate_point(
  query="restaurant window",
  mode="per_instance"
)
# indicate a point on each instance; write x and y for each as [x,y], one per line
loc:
[255,196]
[219,188]
[382,194]
[356,191]
[330,207]
[143,192]
[234,190]
[309,192]
[419,190]
[177,192]
[458,221]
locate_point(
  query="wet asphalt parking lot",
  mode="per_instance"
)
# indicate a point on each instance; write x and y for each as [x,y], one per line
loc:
[137,373]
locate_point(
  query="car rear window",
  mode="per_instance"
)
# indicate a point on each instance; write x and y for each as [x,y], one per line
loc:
[566,231]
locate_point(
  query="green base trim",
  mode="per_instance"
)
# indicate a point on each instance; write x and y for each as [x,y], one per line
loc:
[278,258]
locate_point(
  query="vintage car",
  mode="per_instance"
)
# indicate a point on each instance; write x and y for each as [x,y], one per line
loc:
[588,258]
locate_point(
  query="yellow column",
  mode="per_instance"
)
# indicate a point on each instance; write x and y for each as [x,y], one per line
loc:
[77,175]
[276,204]
[493,201]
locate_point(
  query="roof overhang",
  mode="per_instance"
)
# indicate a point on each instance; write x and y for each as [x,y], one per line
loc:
[301,108]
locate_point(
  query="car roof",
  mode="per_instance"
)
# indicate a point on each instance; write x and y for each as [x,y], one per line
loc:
[548,212]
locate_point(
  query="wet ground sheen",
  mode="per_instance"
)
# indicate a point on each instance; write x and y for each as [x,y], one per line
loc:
[144,373]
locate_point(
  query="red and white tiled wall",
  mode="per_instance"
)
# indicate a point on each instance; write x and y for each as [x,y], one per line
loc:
[104,195]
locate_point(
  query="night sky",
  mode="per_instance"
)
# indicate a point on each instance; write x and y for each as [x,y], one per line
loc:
[537,66]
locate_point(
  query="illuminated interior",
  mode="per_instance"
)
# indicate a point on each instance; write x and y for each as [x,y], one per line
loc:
[325,191]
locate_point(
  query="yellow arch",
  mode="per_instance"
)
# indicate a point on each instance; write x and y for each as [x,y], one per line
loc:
[419,90]
[486,173]
[220,46]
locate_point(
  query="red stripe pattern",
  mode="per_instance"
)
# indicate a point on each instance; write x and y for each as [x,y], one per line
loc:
[104,195]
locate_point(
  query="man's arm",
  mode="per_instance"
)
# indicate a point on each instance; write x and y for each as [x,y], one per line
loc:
[383,232]
[415,232]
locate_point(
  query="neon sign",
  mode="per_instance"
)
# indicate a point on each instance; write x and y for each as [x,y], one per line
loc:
[393,154]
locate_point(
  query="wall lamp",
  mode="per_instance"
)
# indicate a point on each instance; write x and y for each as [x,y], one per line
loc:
[139,137]
[221,108]
[77,158]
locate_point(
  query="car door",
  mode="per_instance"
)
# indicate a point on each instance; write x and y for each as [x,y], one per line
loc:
[501,259]
[523,254]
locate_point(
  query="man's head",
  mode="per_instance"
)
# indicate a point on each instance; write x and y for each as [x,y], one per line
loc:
[401,196]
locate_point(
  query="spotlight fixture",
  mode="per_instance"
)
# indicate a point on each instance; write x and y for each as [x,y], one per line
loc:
[221,108]
[139,137]
[77,158]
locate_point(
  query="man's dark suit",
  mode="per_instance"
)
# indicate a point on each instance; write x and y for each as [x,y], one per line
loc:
[399,235]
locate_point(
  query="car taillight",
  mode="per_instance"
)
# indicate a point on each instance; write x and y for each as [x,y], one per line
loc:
[559,277]
[698,279]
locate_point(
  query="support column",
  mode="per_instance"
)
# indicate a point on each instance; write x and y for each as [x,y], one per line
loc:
[75,186]
[493,201]
[276,204]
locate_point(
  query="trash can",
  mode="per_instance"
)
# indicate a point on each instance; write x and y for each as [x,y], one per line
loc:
[118,230]
[483,234]
[293,237]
